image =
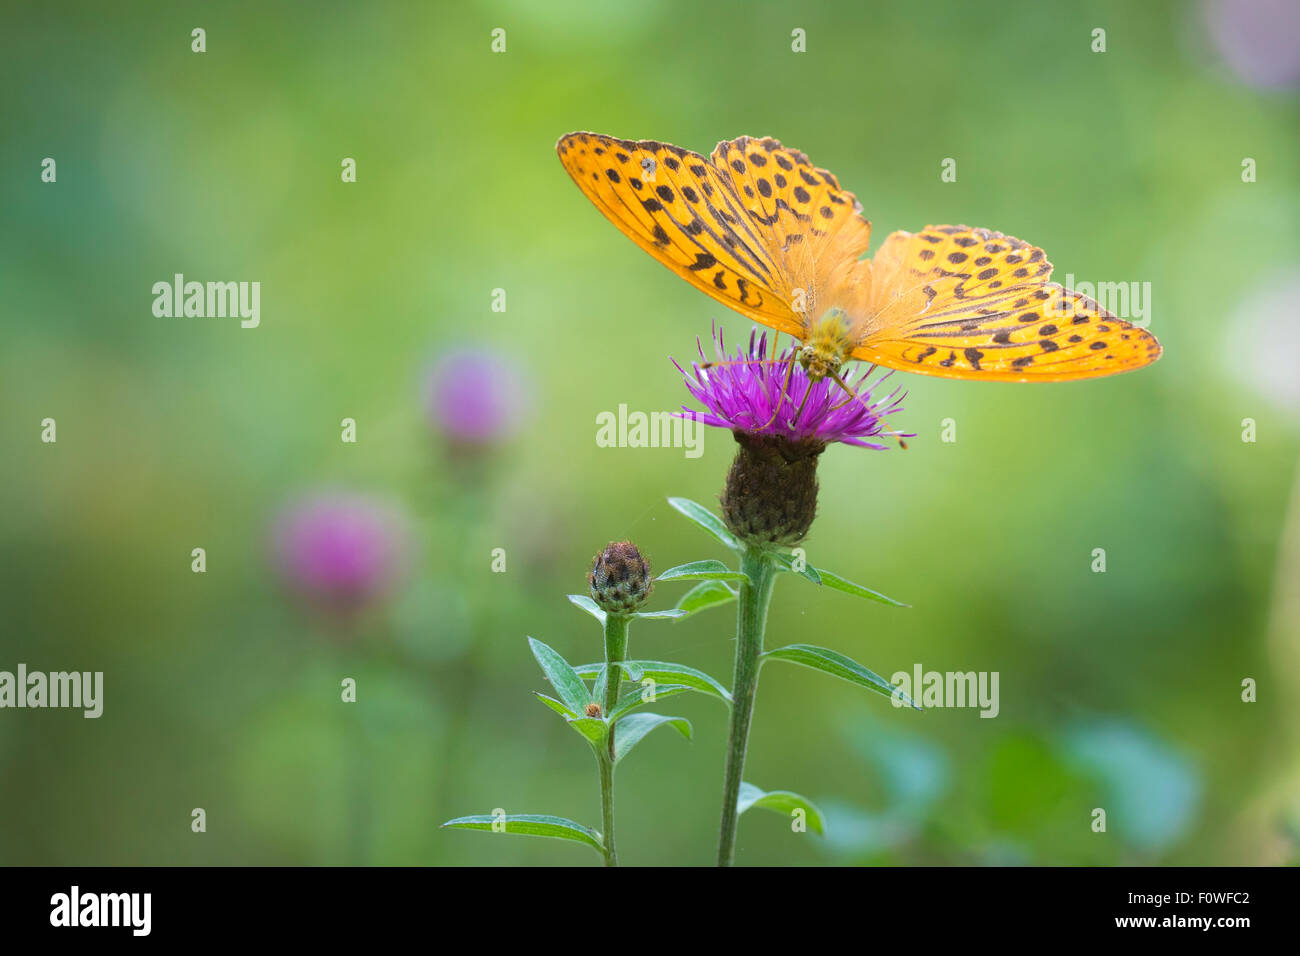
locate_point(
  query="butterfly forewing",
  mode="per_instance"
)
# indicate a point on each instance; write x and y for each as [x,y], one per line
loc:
[686,213]
[816,229]
[975,304]
[786,195]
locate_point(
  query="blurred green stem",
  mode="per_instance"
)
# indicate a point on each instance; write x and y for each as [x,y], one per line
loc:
[615,654]
[759,569]
[363,775]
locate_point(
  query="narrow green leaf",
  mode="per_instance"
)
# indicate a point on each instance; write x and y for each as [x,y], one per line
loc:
[594,609]
[837,665]
[833,580]
[593,728]
[587,671]
[706,594]
[632,669]
[807,571]
[555,705]
[707,520]
[629,731]
[588,605]
[563,678]
[709,570]
[632,698]
[783,802]
[662,672]
[531,824]
[669,614]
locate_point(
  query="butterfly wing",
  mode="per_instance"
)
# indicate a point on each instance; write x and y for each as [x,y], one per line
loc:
[973,304]
[816,230]
[677,206]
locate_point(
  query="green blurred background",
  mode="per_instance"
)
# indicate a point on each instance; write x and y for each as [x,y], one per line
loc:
[1119,690]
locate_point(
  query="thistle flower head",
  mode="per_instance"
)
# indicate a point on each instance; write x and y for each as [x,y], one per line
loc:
[752,394]
[475,397]
[782,422]
[620,578]
[340,552]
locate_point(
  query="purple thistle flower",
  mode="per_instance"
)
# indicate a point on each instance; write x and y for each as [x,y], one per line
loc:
[474,396]
[340,552]
[745,392]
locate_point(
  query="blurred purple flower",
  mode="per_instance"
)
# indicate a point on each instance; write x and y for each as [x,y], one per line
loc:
[1258,39]
[341,552]
[744,393]
[475,396]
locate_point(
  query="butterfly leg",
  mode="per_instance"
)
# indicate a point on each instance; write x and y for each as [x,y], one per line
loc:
[785,391]
[854,396]
[705,366]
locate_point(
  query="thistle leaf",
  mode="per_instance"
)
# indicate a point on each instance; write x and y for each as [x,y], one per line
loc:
[783,802]
[531,824]
[709,570]
[629,731]
[563,678]
[837,665]
[707,520]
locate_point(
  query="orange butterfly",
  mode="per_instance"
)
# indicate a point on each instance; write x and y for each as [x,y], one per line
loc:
[762,230]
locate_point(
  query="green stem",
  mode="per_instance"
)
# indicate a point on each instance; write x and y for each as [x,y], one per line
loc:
[751,619]
[607,807]
[615,654]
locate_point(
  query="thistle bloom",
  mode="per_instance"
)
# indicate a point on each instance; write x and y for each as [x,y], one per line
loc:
[744,392]
[340,552]
[474,396]
[770,498]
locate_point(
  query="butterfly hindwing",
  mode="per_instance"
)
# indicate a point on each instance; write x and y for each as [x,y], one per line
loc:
[682,210]
[975,304]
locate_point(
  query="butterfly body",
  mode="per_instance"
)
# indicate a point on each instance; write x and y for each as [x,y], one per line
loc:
[828,347]
[761,229]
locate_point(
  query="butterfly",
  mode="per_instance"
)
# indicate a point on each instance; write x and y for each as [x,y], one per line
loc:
[764,231]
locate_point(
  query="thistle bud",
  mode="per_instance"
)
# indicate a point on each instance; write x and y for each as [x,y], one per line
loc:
[771,492]
[620,578]
[592,710]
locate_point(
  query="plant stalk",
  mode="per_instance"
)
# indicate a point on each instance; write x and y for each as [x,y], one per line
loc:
[607,807]
[615,654]
[760,571]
